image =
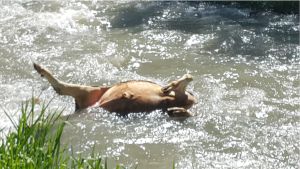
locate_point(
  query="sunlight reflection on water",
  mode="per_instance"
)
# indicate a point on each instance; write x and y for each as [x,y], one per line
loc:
[245,68]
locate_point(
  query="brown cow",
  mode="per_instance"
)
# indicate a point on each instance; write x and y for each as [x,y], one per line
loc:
[130,96]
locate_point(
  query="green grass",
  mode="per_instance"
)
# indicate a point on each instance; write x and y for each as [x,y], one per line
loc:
[35,142]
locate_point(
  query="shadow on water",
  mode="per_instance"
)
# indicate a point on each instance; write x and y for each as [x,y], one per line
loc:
[135,14]
[175,16]
[201,18]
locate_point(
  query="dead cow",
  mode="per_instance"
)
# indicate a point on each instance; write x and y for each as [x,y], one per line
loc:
[126,97]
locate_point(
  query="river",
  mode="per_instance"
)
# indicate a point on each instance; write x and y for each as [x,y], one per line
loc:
[245,63]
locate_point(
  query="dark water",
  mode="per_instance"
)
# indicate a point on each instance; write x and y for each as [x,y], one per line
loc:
[246,68]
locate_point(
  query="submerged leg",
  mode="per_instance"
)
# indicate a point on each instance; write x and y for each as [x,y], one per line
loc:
[85,96]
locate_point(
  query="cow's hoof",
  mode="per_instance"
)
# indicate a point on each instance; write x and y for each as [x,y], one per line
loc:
[39,69]
[178,112]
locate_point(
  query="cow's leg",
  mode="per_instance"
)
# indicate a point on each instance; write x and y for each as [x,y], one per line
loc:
[85,96]
[178,85]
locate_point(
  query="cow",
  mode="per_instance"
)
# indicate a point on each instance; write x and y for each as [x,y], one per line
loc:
[128,97]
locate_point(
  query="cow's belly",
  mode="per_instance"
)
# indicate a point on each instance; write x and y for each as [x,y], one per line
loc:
[133,96]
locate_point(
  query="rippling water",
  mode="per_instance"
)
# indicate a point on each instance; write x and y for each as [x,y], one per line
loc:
[246,69]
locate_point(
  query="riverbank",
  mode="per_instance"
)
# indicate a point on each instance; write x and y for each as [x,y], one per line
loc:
[35,142]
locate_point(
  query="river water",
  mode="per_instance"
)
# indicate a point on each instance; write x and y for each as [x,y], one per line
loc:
[245,63]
